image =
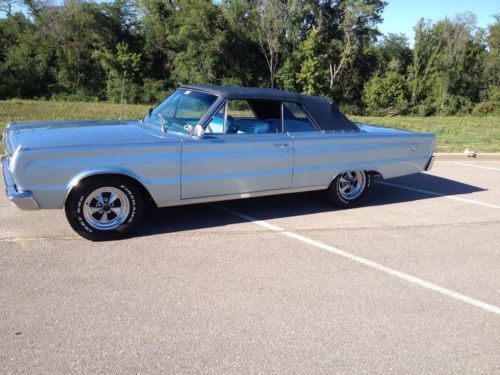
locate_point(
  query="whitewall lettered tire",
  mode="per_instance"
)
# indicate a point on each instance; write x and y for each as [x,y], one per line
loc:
[350,189]
[104,207]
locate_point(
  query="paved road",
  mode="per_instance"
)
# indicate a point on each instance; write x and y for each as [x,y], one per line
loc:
[407,284]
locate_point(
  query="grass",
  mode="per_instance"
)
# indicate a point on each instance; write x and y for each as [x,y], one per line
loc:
[454,133]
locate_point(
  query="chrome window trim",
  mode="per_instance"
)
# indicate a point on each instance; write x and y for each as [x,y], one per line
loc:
[309,117]
[218,104]
[282,107]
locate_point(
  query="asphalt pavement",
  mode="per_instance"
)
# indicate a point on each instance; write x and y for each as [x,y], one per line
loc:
[409,283]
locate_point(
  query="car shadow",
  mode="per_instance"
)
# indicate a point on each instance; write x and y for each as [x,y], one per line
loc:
[206,216]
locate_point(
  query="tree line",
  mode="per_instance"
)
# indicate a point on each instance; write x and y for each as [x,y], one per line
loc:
[138,51]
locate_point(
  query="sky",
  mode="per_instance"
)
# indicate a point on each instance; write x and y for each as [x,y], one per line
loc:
[400,16]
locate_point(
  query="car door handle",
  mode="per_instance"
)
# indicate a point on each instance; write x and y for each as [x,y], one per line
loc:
[283,146]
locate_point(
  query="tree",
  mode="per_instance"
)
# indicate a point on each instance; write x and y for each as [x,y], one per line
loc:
[356,26]
[26,59]
[386,95]
[6,6]
[122,68]
[447,61]
[493,57]
[272,23]
[425,51]
[314,65]
[393,54]
[199,41]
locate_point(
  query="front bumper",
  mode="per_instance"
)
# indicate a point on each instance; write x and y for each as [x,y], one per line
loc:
[430,163]
[22,199]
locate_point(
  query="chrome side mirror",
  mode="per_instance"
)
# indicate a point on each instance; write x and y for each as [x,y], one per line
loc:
[198,131]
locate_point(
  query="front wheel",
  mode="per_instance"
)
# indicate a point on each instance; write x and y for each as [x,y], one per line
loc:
[350,189]
[104,208]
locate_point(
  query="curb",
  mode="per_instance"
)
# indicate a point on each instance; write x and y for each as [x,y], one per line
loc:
[486,156]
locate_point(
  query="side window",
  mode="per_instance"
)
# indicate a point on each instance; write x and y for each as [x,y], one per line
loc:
[241,119]
[295,119]
[216,125]
[247,116]
[240,109]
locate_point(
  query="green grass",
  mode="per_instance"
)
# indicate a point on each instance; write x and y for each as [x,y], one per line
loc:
[30,110]
[454,133]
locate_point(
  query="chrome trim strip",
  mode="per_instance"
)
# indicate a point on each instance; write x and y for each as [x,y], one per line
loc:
[218,198]
[22,199]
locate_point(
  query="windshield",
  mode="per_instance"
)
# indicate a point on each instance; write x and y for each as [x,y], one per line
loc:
[181,111]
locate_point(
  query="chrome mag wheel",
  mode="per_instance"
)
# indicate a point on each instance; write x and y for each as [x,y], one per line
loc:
[106,208]
[352,184]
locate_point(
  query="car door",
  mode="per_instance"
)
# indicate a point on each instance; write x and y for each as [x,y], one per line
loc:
[247,156]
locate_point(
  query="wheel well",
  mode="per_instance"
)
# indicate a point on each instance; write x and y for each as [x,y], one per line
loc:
[144,192]
[375,174]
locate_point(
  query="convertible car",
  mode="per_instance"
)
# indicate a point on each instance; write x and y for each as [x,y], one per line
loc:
[202,144]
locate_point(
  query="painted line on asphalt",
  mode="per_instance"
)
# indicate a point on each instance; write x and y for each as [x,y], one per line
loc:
[401,275]
[439,194]
[479,166]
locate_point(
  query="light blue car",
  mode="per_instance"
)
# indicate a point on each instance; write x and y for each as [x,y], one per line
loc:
[202,144]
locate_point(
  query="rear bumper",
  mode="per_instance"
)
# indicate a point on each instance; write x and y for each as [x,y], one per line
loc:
[22,199]
[430,163]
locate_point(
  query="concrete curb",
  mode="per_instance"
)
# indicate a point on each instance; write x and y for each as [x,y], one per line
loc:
[486,156]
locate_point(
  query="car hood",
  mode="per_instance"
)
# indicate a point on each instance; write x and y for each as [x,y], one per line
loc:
[50,134]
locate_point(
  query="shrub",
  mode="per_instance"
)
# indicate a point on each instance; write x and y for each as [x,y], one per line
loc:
[485,108]
[351,109]
[455,105]
[386,95]
[490,103]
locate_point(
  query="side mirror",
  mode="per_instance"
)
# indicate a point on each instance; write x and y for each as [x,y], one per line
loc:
[198,131]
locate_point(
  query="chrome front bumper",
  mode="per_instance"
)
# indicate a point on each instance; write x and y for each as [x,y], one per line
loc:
[430,163]
[22,199]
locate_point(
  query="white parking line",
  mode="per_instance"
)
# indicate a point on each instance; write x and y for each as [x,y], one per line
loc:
[439,195]
[478,166]
[401,275]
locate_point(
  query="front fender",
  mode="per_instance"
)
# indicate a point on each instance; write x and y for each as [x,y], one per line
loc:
[105,171]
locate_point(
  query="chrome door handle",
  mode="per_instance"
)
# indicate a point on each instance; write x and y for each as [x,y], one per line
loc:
[283,146]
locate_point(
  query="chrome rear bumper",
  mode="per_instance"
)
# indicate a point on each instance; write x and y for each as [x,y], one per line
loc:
[430,163]
[22,199]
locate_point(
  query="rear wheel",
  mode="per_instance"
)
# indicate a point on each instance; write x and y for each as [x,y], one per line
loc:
[350,189]
[104,208]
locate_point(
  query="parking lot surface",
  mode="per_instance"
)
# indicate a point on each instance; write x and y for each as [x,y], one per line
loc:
[409,283]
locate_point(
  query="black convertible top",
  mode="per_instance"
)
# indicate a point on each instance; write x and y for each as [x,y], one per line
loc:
[324,112]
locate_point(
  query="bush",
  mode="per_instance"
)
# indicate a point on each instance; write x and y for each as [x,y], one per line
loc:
[386,95]
[490,103]
[455,105]
[485,108]
[351,109]
[424,109]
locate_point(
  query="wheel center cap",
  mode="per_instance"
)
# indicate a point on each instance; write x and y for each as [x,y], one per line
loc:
[106,207]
